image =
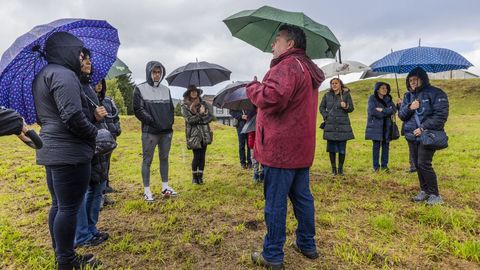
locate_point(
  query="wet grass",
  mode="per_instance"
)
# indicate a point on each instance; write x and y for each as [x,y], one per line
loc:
[364,220]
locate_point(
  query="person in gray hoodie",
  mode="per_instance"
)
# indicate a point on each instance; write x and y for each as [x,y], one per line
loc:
[153,106]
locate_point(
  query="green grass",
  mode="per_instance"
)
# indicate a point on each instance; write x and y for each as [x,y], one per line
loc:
[364,220]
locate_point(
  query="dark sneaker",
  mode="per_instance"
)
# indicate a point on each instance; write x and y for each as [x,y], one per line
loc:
[109,189]
[411,170]
[334,171]
[81,262]
[340,171]
[94,241]
[421,196]
[312,255]
[107,200]
[258,259]
[103,235]
[434,199]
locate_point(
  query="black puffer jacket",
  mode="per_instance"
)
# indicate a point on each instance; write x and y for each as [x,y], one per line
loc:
[337,122]
[11,122]
[113,123]
[197,129]
[67,133]
[434,106]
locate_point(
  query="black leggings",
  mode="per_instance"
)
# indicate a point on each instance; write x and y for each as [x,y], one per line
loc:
[341,160]
[198,162]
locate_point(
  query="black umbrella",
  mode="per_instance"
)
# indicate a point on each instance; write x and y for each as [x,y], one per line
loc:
[219,98]
[198,74]
[238,100]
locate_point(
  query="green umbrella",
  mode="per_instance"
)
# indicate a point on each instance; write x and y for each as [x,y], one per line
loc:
[259,28]
[118,68]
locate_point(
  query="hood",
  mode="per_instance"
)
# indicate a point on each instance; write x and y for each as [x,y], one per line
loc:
[64,49]
[420,73]
[315,72]
[150,66]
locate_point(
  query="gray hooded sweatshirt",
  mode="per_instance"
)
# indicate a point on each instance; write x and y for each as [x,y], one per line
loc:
[152,103]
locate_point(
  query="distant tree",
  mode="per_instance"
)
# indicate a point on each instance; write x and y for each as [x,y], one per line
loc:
[178,109]
[126,85]
[114,92]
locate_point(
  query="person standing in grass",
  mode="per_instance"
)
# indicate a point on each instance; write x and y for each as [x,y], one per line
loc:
[429,105]
[241,117]
[337,130]
[379,122]
[153,106]
[68,135]
[197,114]
[286,102]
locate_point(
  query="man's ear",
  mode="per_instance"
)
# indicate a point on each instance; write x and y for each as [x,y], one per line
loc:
[291,43]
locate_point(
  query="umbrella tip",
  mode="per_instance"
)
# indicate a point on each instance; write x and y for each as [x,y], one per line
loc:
[419,41]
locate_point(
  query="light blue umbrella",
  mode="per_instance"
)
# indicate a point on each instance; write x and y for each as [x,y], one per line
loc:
[430,59]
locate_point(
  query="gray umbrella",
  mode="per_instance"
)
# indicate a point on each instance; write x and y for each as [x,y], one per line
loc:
[370,74]
[118,68]
[198,74]
[250,125]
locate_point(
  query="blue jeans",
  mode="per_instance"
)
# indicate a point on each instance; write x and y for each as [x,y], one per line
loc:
[278,185]
[376,153]
[88,214]
[242,144]
[67,185]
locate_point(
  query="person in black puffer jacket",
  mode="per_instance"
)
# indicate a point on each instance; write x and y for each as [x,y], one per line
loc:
[68,136]
[380,110]
[336,104]
[430,105]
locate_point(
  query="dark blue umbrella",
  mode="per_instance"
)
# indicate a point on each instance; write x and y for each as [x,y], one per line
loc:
[238,100]
[198,74]
[23,60]
[428,58]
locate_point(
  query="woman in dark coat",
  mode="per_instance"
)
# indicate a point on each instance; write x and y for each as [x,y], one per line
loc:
[379,123]
[68,136]
[335,106]
[197,114]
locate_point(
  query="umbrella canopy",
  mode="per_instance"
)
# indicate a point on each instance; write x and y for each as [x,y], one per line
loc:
[238,100]
[250,125]
[430,59]
[198,74]
[346,67]
[370,74]
[259,28]
[218,100]
[22,61]
[118,68]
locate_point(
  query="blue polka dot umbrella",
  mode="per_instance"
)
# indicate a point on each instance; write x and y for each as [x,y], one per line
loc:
[430,59]
[23,60]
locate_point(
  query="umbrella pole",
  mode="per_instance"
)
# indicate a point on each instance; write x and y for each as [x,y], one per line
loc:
[396,81]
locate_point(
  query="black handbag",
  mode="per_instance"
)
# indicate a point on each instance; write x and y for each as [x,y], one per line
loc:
[394,132]
[433,139]
[104,142]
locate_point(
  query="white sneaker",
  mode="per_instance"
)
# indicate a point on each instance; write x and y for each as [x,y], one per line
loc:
[169,192]
[148,197]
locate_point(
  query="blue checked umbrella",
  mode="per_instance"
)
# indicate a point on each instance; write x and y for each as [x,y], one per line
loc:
[430,59]
[22,61]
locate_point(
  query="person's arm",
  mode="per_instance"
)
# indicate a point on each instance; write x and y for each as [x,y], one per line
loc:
[139,109]
[437,120]
[11,122]
[190,118]
[323,107]
[405,113]
[67,97]
[391,109]
[273,94]
[349,101]
[372,108]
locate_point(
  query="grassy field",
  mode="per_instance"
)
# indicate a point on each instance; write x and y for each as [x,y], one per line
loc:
[364,219]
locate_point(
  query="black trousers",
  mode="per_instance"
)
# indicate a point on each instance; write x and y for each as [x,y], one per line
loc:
[198,162]
[423,161]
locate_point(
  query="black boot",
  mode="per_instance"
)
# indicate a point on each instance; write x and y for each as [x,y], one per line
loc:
[341,160]
[334,171]
[195,177]
[333,163]
[200,177]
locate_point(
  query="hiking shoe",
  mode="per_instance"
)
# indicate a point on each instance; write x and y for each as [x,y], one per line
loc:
[148,197]
[312,255]
[421,196]
[169,192]
[434,199]
[258,259]
[81,262]
[103,235]
[107,200]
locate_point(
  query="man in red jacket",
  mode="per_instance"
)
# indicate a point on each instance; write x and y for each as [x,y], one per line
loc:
[287,102]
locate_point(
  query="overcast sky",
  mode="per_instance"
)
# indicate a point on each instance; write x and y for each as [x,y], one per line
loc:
[176,32]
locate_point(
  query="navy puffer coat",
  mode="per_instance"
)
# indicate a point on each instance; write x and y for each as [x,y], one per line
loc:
[379,123]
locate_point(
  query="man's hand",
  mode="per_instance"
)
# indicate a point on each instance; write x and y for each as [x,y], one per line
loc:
[100,113]
[417,132]
[415,105]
